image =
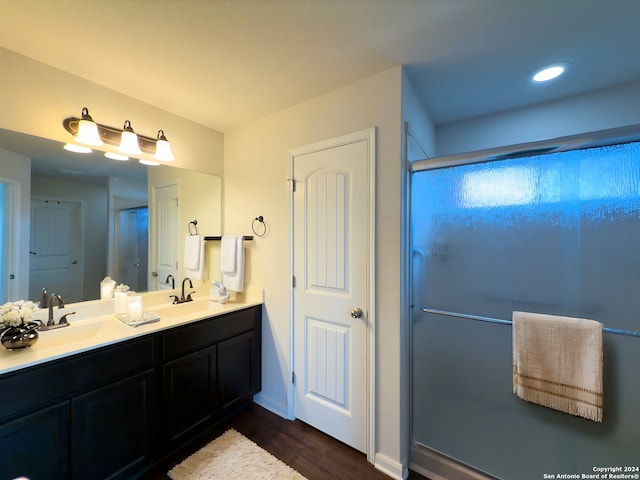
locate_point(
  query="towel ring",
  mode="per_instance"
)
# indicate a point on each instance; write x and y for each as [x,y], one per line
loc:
[195,226]
[259,219]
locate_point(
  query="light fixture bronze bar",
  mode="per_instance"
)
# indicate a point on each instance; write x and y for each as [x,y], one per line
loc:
[111,135]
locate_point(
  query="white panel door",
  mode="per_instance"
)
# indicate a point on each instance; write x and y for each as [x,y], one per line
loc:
[331,225]
[165,240]
[55,246]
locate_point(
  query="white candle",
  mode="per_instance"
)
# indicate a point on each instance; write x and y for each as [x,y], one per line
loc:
[134,308]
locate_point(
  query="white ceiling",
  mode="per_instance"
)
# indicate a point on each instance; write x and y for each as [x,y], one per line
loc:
[224,63]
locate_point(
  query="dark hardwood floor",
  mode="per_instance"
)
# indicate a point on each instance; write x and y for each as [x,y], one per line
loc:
[309,451]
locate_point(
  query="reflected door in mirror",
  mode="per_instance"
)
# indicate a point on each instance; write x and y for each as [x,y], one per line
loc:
[55,249]
[165,238]
[132,227]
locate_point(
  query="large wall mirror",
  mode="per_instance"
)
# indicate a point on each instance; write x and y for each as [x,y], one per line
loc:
[90,216]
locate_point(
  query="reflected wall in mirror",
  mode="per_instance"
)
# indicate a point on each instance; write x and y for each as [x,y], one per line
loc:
[69,219]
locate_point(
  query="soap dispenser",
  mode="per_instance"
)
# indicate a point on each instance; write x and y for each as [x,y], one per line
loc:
[218,293]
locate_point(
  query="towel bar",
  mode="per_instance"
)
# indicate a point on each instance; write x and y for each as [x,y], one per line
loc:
[617,331]
[218,237]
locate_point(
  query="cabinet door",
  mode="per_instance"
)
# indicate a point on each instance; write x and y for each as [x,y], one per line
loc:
[238,370]
[189,393]
[112,428]
[36,446]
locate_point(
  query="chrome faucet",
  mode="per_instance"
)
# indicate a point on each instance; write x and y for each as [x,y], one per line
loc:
[183,298]
[173,282]
[52,301]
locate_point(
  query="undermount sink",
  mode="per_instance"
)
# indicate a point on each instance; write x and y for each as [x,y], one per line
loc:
[82,330]
[186,308]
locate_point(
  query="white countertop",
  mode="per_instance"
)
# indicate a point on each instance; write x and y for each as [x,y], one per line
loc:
[89,332]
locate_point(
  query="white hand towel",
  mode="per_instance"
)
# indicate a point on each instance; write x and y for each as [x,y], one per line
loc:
[194,257]
[558,363]
[228,253]
[234,281]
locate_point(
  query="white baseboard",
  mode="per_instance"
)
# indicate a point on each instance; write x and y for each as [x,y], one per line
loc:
[437,466]
[390,467]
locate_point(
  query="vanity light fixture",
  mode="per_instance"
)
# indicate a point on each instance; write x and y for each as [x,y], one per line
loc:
[129,140]
[125,140]
[88,130]
[163,148]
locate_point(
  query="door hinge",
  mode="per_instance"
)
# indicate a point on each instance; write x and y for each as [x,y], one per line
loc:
[293,377]
[293,281]
[293,184]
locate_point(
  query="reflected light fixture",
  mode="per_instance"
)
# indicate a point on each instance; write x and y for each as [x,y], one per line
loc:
[129,140]
[549,72]
[72,147]
[116,156]
[88,130]
[125,140]
[151,163]
[163,148]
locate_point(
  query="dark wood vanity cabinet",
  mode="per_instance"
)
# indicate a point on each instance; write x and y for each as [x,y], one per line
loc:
[36,445]
[113,412]
[210,369]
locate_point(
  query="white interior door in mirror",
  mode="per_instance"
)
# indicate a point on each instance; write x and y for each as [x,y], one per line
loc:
[164,238]
[55,246]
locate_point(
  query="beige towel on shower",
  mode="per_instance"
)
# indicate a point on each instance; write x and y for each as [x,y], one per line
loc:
[558,363]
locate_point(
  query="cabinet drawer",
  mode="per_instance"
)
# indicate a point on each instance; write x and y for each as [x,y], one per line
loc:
[40,385]
[195,336]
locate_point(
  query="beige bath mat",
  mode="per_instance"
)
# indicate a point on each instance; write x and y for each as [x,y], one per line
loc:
[232,456]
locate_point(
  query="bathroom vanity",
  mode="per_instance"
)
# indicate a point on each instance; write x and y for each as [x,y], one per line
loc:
[115,410]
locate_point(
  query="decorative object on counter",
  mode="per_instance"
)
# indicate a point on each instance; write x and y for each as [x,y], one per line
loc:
[218,293]
[87,132]
[120,296]
[134,307]
[260,221]
[147,317]
[17,330]
[107,287]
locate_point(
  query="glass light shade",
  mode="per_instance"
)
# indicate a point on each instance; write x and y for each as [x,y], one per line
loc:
[163,151]
[129,142]
[88,133]
[163,148]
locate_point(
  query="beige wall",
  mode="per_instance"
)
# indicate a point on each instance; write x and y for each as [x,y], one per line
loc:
[255,183]
[35,98]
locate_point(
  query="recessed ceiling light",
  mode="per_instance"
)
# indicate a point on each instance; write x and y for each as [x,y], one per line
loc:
[116,156]
[549,72]
[72,147]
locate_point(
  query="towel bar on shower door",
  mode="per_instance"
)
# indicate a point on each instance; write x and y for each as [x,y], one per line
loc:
[617,331]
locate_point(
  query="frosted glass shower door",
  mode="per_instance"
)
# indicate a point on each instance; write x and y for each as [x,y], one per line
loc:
[558,234]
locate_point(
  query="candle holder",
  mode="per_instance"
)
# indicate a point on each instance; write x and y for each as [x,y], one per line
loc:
[134,307]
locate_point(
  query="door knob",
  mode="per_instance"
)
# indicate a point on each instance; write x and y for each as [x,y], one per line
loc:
[357,312]
[74,261]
